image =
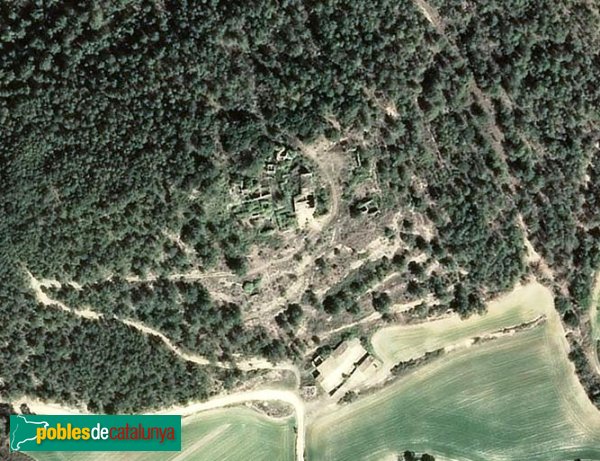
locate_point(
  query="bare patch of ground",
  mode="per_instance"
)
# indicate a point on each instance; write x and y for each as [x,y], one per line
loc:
[42,298]
[430,14]
[533,258]
[39,407]
[331,164]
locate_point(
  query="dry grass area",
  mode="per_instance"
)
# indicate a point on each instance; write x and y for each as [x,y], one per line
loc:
[331,164]
[532,257]
[404,342]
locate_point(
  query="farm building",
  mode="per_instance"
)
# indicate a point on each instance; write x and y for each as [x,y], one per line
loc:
[347,366]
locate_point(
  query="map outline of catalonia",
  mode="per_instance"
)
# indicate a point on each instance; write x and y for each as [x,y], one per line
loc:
[14,432]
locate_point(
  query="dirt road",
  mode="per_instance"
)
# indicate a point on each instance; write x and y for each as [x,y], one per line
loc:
[247,364]
[263,395]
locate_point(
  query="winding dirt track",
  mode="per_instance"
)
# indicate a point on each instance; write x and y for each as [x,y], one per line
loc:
[255,363]
[287,396]
[555,336]
[328,170]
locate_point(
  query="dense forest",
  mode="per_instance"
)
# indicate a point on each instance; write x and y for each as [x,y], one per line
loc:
[125,123]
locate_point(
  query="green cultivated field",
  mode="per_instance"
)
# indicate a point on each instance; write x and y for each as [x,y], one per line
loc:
[403,342]
[515,398]
[220,435]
